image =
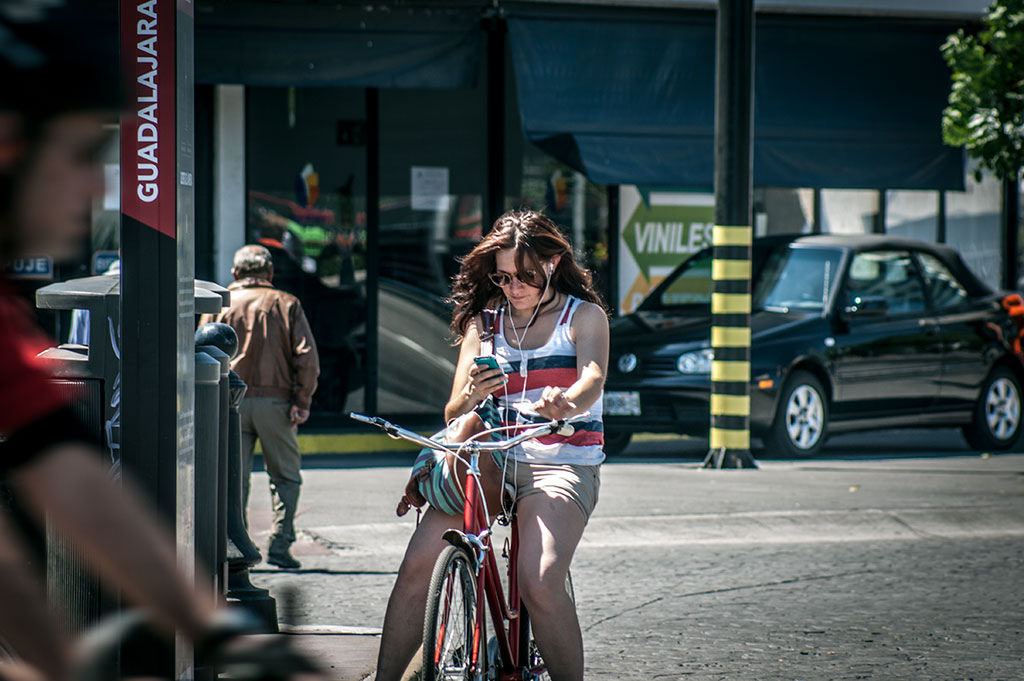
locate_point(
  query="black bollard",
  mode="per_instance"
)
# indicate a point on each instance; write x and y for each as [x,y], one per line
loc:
[242,554]
[207,443]
[220,567]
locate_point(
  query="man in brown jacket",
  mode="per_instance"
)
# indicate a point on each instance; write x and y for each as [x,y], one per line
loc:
[277,359]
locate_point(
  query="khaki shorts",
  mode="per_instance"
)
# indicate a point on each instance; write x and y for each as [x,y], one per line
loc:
[579,484]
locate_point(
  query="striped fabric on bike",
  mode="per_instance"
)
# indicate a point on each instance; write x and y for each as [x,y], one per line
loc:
[437,483]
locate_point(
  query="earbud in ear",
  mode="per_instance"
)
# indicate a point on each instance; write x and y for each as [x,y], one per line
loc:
[551,268]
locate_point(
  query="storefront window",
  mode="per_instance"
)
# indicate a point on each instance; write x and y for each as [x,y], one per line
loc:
[106,209]
[972,225]
[433,178]
[306,203]
[848,211]
[912,214]
[783,211]
[578,206]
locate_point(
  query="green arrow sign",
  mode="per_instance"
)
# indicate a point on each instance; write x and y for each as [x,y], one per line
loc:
[664,236]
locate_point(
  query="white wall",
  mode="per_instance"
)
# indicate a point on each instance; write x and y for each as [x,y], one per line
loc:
[228,178]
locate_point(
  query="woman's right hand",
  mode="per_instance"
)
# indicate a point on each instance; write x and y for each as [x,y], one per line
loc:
[483,381]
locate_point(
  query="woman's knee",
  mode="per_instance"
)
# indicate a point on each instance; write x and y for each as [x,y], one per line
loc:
[543,588]
[425,545]
[416,565]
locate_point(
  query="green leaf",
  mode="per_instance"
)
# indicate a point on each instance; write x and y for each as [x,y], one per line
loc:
[985,114]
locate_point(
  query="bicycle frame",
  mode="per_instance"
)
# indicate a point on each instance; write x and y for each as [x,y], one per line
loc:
[510,638]
[475,539]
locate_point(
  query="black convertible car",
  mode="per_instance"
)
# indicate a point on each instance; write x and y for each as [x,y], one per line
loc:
[847,333]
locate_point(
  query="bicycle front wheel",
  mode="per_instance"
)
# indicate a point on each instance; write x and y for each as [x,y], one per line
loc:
[448,629]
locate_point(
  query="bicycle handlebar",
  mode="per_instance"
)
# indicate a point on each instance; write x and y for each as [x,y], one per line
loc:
[559,426]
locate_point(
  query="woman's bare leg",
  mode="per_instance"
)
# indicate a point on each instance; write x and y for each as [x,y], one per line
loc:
[550,527]
[403,620]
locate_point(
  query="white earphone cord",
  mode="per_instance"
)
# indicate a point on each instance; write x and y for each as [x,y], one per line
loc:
[524,371]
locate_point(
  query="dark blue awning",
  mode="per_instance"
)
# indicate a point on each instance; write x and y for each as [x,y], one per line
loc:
[628,98]
[337,46]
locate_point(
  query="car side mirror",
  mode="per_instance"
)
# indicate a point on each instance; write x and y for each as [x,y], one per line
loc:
[867,306]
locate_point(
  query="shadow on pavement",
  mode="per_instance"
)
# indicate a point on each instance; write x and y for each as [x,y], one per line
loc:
[882,444]
[318,571]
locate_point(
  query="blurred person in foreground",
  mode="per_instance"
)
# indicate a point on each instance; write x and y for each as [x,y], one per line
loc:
[52,106]
[278,361]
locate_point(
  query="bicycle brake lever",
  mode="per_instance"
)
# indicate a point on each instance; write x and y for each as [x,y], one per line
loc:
[564,429]
[376,421]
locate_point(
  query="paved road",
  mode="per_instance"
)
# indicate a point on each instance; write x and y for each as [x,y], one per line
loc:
[893,556]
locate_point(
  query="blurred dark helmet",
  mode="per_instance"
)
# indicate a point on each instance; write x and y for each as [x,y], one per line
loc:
[58,56]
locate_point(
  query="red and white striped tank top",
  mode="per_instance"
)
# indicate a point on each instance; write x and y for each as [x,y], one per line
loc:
[554,364]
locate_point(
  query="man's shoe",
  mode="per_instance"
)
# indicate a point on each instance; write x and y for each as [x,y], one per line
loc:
[283,559]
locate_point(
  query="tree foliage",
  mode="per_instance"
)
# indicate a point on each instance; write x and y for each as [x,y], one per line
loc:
[986,101]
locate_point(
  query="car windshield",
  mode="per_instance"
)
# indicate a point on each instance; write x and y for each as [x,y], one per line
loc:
[796,278]
[787,277]
[688,285]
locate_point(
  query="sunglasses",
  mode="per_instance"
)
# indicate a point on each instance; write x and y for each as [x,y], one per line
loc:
[528,277]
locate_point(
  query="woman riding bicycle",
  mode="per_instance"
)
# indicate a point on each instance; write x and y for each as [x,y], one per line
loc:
[550,337]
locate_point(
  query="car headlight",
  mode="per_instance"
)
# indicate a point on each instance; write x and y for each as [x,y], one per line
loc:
[627,362]
[696,362]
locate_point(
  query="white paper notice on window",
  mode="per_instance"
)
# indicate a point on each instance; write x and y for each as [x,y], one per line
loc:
[111,186]
[429,188]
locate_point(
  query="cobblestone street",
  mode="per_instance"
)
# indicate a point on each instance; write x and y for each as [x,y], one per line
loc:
[846,567]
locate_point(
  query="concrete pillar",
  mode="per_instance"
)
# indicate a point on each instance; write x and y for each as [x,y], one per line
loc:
[228,177]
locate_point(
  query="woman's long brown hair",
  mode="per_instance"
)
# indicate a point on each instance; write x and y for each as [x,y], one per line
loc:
[535,238]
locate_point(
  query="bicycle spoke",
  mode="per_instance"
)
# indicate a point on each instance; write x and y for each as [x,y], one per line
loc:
[449,635]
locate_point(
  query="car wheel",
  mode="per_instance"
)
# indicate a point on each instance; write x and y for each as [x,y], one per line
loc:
[801,420]
[615,442]
[997,414]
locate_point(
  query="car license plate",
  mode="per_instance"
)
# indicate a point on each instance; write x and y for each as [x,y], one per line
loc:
[622,403]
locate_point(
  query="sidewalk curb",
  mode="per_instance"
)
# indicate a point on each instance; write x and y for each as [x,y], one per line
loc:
[312,444]
[300,629]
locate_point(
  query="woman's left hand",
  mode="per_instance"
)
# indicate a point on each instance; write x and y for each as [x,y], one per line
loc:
[553,404]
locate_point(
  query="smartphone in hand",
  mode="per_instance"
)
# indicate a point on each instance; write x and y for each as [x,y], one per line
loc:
[487,362]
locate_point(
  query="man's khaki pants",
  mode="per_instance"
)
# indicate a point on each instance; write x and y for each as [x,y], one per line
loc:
[266,418]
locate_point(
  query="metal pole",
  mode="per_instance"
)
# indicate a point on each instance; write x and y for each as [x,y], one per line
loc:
[495,205]
[817,228]
[940,231]
[883,210]
[157,270]
[372,245]
[613,249]
[733,234]
[1011,231]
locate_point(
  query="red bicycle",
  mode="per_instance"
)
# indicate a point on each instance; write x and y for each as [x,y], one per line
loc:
[455,643]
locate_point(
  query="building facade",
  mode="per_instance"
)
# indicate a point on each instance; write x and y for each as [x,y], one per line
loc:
[369,146]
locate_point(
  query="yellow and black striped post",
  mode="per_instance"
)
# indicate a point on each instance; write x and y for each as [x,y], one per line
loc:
[730,341]
[733,238]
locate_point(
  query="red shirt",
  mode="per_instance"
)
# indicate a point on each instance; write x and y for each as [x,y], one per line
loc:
[26,394]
